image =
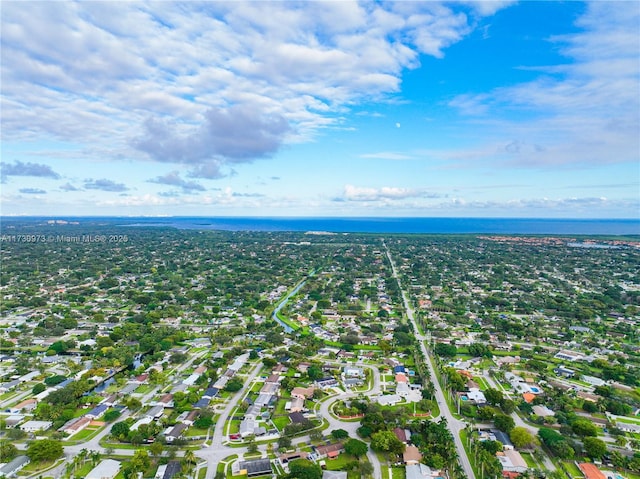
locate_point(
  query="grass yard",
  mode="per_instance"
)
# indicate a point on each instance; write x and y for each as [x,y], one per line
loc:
[37,466]
[280,407]
[481,382]
[398,473]
[572,468]
[531,462]
[234,426]
[84,434]
[194,431]
[339,462]
[280,422]
[84,470]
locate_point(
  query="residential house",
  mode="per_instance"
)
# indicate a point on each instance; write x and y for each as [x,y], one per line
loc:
[24,406]
[568,355]
[13,467]
[76,425]
[326,383]
[155,412]
[421,471]
[296,404]
[97,411]
[389,399]
[330,451]
[35,426]
[353,372]
[303,392]
[334,475]
[542,411]
[411,455]
[176,432]
[255,467]
[107,469]
[512,461]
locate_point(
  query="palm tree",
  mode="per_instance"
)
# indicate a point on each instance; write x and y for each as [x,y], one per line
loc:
[189,462]
[95,457]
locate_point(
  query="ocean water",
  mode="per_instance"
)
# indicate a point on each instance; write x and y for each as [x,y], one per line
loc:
[534,226]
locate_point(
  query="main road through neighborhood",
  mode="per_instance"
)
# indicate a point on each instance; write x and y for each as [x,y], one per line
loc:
[454,424]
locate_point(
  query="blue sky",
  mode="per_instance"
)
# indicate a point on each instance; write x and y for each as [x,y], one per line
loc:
[466,109]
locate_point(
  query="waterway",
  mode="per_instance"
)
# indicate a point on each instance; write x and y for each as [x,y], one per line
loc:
[287,328]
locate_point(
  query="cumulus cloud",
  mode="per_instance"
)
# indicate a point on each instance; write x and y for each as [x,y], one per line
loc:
[236,134]
[104,184]
[173,179]
[32,191]
[215,82]
[355,193]
[19,168]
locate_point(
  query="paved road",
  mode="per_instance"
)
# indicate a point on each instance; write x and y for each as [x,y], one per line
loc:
[454,425]
[352,426]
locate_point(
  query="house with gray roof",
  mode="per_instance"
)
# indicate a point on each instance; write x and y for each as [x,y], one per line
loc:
[11,469]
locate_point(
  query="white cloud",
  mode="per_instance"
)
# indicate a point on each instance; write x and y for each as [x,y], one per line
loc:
[581,113]
[356,193]
[100,73]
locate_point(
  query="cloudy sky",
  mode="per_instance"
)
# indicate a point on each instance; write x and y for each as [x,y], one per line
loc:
[321,108]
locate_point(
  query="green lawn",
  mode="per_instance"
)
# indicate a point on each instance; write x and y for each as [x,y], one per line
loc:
[234,427]
[84,434]
[572,468]
[531,462]
[280,422]
[398,473]
[194,431]
[84,470]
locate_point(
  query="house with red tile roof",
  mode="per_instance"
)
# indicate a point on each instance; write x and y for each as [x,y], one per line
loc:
[591,471]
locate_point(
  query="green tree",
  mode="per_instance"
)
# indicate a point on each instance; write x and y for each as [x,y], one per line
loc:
[493,396]
[38,388]
[491,446]
[203,422]
[44,450]
[111,415]
[503,422]
[156,449]
[234,385]
[7,451]
[386,441]
[339,434]
[594,448]
[365,468]
[356,447]
[445,350]
[314,372]
[120,430]
[140,461]
[522,437]
[284,443]
[303,469]
[584,427]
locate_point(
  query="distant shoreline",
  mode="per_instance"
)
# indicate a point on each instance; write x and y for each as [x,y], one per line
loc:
[424,225]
